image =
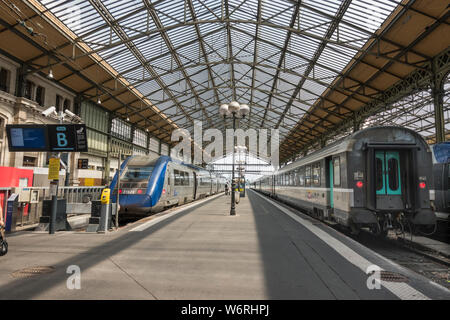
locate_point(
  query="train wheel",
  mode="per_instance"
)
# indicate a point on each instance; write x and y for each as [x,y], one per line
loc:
[3,247]
[355,229]
[383,233]
[379,231]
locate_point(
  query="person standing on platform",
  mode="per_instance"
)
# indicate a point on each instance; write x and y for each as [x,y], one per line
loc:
[3,243]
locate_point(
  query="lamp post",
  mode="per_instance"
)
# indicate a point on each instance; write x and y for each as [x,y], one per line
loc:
[241,162]
[235,110]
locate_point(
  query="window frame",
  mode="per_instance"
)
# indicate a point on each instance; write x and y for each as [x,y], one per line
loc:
[317,166]
[308,175]
[301,177]
[176,179]
[6,79]
[393,175]
[28,90]
[337,172]
[40,98]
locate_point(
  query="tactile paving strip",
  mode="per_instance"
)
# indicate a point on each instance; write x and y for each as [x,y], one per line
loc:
[32,271]
[389,276]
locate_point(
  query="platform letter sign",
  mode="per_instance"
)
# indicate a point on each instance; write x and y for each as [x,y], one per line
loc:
[62,138]
[67,138]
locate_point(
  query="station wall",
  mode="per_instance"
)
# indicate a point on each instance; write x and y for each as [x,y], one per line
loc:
[39,93]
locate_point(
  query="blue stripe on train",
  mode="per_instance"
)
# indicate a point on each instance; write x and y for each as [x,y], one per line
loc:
[156,183]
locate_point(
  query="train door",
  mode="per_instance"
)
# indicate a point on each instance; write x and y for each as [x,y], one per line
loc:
[210,183]
[169,182]
[195,184]
[331,181]
[388,184]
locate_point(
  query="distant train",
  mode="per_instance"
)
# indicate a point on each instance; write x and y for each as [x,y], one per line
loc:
[151,184]
[441,175]
[378,178]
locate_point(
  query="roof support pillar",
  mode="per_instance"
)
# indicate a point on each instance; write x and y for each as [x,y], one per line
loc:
[437,86]
[356,124]
[20,81]
[108,152]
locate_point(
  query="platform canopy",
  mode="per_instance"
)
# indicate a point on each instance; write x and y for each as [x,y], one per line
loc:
[306,67]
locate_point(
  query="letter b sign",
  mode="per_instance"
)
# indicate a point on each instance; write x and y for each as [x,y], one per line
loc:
[61,139]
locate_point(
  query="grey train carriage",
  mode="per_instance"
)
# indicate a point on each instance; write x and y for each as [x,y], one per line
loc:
[378,178]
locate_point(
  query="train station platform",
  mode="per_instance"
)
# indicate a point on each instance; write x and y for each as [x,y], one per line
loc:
[199,251]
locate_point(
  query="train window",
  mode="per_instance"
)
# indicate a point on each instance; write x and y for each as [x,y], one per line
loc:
[301,177]
[185,178]
[177,181]
[205,181]
[181,174]
[316,174]
[393,174]
[308,176]
[137,173]
[379,173]
[448,169]
[337,171]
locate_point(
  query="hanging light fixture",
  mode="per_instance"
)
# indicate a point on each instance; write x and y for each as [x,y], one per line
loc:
[98,96]
[50,72]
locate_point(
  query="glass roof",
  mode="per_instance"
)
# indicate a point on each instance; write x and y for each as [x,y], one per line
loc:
[189,56]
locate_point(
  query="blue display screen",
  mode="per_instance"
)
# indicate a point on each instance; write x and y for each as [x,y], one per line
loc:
[442,152]
[28,138]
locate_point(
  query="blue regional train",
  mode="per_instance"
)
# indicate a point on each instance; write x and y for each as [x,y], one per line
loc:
[152,184]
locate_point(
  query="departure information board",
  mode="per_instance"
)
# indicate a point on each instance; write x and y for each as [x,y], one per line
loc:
[52,137]
[27,137]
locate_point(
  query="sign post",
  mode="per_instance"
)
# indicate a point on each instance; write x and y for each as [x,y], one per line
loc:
[53,175]
[118,186]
